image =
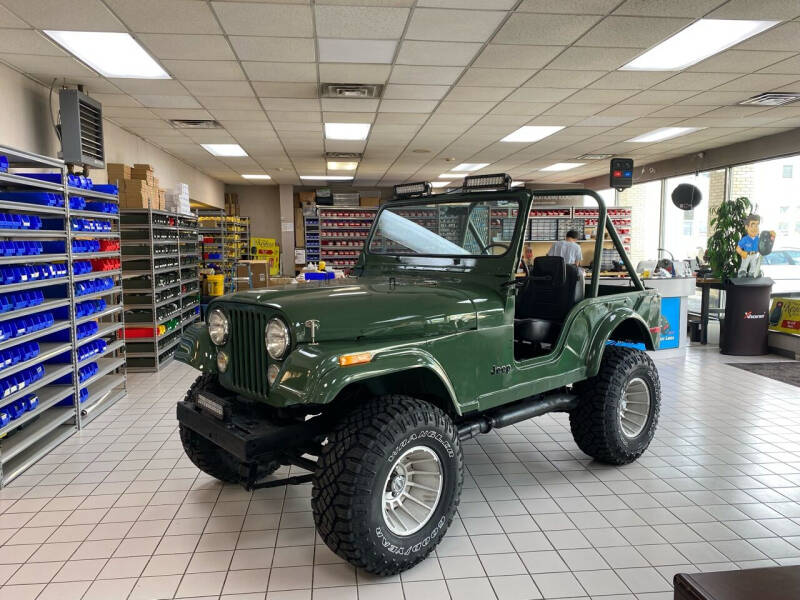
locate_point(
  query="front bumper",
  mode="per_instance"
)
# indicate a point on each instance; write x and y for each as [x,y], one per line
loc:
[251,438]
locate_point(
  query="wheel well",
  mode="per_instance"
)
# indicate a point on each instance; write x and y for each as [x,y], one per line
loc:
[421,383]
[632,331]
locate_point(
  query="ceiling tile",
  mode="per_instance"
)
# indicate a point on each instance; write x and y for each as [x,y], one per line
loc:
[781,37]
[739,61]
[790,66]
[517,55]
[229,102]
[28,41]
[455,54]
[55,66]
[544,29]
[530,109]
[158,16]
[274,49]
[468,93]
[356,51]
[631,32]
[115,99]
[695,81]
[457,107]
[76,15]
[576,110]
[150,86]
[9,21]
[495,77]
[415,92]
[182,113]
[132,112]
[273,71]
[682,110]
[286,90]
[243,18]
[563,79]
[289,116]
[189,47]
[360,22]
[758,82]
[629,80]
[219,88]
[287,104]
[347,117]
[667,8]
[425,75]
[529,94]
[360,73]
[205,70]
[473,4]
[631,110]
[227,114]
[763,9]
[161,101]
[453,25]
[581,7]
[664,97]
[714,98]
[411,106]
[591,96]
[350,104]
[592,59]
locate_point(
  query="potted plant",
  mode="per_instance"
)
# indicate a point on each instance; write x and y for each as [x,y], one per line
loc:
[744,329]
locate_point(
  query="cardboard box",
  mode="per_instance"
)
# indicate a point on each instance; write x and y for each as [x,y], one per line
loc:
[307,197]
[117,172]
[299,228]
[370,201]
[143,166]
[258,271]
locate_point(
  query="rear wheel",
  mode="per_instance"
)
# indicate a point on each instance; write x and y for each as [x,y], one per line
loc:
[388,484]
[617,412]
[212,459]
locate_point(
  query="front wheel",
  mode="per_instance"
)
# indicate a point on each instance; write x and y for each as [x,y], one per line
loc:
[388,484]
[618,408]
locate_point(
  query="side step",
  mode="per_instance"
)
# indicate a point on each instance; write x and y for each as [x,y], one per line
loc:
[503,416]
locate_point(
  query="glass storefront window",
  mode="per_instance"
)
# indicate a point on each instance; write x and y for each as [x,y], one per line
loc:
[686,231]
[645,199]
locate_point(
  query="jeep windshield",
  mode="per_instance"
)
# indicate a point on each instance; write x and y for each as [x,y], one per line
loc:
[463,228]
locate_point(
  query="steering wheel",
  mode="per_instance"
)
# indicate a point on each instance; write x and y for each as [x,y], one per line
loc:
[501,245]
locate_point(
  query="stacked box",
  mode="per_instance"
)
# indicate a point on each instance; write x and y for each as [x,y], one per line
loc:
[178,199]
[144,173]
[232,205]
[136,193]
[117,172]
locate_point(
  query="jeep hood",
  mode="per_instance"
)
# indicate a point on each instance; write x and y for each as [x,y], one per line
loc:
[362,309]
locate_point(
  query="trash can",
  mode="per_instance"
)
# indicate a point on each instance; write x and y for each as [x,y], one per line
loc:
[746,320]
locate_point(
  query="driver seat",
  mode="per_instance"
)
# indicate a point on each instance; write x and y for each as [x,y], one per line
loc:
[553,288]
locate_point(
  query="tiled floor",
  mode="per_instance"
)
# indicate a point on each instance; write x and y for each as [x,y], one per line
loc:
[118,512]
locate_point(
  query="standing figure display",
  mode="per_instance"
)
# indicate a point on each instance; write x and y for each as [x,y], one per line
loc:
[753,246]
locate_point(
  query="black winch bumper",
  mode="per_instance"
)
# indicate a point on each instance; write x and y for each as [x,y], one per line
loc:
[247,437]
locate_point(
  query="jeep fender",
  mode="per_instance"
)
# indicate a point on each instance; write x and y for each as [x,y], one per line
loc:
[196,349]
[603,333]
[326,379]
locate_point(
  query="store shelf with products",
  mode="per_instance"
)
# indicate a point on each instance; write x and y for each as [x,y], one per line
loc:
[60,300]
[551,223]
[312,241]
[160,281]
[342,233]
[224,240]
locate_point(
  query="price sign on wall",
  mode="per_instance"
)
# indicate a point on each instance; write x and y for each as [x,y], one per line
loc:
[266,249]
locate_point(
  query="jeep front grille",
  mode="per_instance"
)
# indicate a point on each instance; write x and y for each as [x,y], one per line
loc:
[248,351]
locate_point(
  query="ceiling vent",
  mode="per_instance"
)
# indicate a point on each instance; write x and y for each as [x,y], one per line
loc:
[350,90]
[593,156]
[195,124]
[772,99]
[81,129]
[343,155]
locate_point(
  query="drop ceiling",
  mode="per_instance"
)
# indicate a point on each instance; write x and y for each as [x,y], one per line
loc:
[459,75]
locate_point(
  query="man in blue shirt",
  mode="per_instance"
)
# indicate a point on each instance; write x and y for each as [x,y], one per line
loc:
[747,248]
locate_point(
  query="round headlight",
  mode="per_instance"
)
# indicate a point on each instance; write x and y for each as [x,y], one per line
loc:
[218,327]
[222,361]
[276,336]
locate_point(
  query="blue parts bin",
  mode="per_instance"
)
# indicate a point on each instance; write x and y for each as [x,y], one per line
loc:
[9,248]
[19,381]
[82,309]
[104,207]
[77,202]
[24,222]
[30,402]
[84,373]
[4,164]
[106,188]
[51,177]
[319,276]
[59,246]
[87,350]
[19,407]
[26,325]
[38,198]
[31,273]
[12,356]
[81,267]
[5,418]
[91,286]
[90,225]
[83,395]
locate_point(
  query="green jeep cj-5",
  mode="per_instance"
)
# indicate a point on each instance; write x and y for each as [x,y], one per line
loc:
[442,335]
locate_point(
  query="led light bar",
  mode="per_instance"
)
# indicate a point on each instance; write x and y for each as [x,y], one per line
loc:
[212,407]
[412,190]
[498,181]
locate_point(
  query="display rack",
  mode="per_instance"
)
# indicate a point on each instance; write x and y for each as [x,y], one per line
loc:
[160,260]
[224,240]
[311,228]
[342,233]
[63,358]
[551,223]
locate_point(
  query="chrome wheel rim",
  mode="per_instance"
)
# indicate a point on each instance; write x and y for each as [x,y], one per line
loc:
[412,490]
[634,409]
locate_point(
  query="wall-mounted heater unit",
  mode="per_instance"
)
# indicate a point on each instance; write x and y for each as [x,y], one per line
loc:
[81,129]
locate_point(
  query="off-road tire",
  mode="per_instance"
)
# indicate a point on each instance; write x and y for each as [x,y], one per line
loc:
[206,456]
[595,421]
[347,495]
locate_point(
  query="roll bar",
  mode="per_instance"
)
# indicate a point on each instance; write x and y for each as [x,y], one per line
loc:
[603,225]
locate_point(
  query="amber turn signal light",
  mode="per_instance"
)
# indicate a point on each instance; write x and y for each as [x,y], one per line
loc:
[359,358]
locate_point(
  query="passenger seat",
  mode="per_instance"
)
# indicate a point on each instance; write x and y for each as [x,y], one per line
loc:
[552,290]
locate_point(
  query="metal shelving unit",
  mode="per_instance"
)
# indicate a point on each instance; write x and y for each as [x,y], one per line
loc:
[160,281]
[59,412]
[224,241]
[342,231]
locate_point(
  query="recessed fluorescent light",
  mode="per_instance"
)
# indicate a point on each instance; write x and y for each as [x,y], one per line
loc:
[697,42]
[664,133]
[562,166]
[346,131]
[342,166]
[327,177]
[470,166]
[593,156]
[440,184]
[532,133]
[257,176]
[110,54]
[452,175]
[225,149]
